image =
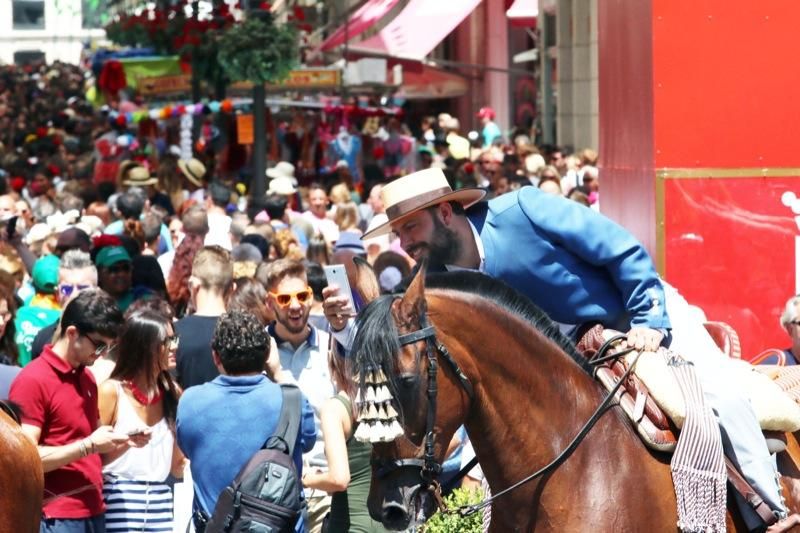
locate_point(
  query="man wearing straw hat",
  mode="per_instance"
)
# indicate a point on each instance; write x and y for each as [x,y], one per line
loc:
[579,267]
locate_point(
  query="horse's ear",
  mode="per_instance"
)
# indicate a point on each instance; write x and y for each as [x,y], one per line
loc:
[414,298]
[366,282]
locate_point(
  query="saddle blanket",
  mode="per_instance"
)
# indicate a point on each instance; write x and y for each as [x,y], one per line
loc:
[775,409]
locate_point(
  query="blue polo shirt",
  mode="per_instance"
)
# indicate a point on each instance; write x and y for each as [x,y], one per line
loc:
[222,423]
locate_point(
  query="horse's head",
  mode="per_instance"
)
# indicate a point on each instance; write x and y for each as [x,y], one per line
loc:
[396,338]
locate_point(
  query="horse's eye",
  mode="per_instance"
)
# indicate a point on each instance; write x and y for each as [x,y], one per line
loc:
[409,381]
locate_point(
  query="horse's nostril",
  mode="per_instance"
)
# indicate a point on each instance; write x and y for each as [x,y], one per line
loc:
[395,514]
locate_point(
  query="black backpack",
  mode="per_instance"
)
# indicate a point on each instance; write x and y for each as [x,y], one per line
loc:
[267,494]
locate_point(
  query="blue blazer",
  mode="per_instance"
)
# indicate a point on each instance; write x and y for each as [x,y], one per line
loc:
[574,263]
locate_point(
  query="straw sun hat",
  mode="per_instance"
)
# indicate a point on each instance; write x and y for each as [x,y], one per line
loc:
[409,194]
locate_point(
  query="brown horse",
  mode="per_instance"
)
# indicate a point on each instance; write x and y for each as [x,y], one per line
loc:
[21,476]
[530,396]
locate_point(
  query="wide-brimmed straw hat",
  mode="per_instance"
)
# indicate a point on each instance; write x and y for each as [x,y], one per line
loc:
[139,177]
[282,186]
[409,194]
[125,167]
[283,169]
[194,170]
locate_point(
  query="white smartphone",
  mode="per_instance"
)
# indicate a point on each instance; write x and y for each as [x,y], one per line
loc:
[337,274]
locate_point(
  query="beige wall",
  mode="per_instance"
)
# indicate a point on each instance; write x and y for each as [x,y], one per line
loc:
[576,86]
[61,39]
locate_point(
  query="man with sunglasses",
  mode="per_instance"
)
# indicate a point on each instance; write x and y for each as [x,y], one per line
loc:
[303,351]
[58,398]
[76,273]
[114,274]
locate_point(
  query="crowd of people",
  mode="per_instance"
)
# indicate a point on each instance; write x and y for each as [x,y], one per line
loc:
[151,307]
[146,288]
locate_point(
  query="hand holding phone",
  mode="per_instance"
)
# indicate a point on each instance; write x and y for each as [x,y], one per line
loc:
[337,275]
[138,438]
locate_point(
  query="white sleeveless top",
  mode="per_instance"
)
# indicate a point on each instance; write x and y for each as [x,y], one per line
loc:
[150,463]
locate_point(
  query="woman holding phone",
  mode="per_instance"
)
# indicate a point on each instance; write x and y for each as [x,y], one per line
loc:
[140,399]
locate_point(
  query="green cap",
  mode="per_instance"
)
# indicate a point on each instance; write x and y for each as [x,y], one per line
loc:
[45,274]
[111,255]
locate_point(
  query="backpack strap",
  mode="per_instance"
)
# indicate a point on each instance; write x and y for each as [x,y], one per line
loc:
[289,420]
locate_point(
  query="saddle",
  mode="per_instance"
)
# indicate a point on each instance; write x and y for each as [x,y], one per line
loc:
[652,424]
[656,429]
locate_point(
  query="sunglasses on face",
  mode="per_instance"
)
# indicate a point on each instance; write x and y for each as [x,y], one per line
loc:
[172,342]
[67,289]
[100,347]
[284,299]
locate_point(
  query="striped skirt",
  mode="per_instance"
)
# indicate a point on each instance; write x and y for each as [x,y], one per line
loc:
[137,505]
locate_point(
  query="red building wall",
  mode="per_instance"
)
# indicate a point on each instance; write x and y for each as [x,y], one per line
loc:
[697,123]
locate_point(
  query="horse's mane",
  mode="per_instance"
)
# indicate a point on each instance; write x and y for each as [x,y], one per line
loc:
[510,299]
[376,342]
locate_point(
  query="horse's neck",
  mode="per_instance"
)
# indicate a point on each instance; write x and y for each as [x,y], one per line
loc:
[530,397]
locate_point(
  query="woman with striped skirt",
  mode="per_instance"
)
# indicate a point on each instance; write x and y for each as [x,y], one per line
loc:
[140,398]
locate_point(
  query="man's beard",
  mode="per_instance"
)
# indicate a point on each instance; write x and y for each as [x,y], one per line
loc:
[283,319]
[444,247]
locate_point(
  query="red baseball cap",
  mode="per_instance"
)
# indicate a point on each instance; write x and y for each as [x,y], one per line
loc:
[486,112]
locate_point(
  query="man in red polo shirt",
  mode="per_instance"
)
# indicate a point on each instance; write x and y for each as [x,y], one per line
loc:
[58,397]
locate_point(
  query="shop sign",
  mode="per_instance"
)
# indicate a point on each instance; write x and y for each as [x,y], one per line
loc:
[157,85]
[244,129]
[319,78]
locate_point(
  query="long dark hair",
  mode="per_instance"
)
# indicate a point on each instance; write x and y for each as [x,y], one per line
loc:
[8,348]
[139,353]
[178,282]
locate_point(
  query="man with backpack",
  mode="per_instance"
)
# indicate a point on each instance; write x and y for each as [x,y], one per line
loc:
[222,424]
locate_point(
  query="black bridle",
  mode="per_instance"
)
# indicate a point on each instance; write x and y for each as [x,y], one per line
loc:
[430,468]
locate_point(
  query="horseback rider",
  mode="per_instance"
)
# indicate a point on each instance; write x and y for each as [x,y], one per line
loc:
[581,268]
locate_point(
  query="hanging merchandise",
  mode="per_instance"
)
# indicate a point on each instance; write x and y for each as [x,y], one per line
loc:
[112,79]
[186,136]
[347,147]
[398,151]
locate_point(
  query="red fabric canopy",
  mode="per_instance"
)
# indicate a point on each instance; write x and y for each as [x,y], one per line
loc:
[364,17]
[523,12]
[417,29]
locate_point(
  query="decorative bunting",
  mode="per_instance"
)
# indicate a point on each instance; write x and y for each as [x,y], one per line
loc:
[231,106]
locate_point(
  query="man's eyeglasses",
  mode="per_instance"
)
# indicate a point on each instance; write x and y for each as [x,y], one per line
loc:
[101,347]
[284,299]
[172,342]
[67,289]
